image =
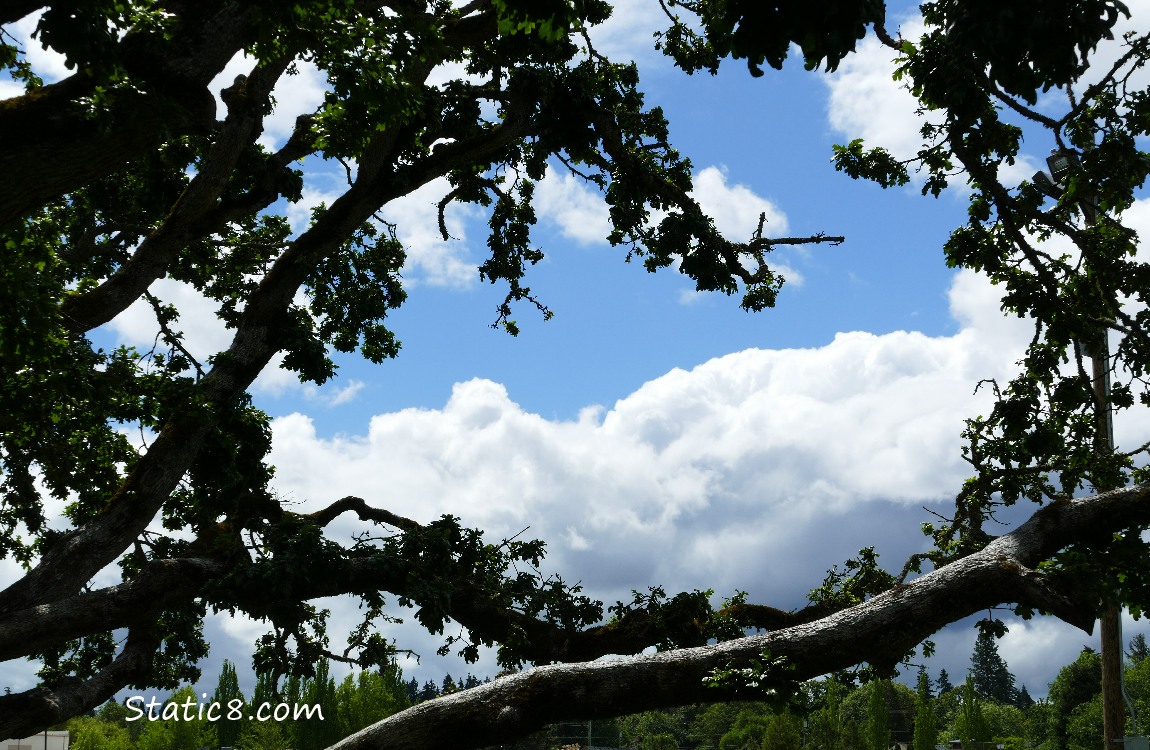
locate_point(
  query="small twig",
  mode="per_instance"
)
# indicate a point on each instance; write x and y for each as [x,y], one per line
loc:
[812,240]
[170,336]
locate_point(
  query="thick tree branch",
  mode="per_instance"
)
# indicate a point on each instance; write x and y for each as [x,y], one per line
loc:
[878,631]
[161,583]
[24,713]
[14,10]
[73,560]
[365,512]
[195,213]
[63,147]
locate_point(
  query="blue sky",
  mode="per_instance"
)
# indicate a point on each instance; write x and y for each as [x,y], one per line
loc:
[652,435]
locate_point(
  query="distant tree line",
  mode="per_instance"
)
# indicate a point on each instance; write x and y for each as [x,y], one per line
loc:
[834,713]
[841,712]
[346,707]
[429,690]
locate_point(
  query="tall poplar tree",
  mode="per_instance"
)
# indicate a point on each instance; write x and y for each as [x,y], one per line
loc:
[878,716]
[323,728]
[227,690]
[970,723]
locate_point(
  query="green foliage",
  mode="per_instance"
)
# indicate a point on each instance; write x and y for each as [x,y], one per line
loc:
[825,32]
[551,20]
[901,705]
[321,730]
[369,697]
[659,742]
[825,725]
[1084,725]
[1010,743]
[685,619]
[1076,684]
[749,731]
[768,678]
[783,732]
[637,729]
[1138,649]
[1042,439]
[946,707]
[970,724]
[1138,688]
[89,733]
[1039,726]
[875,164]
[714,721]
[860,578]
[188,732]
[1004,719]
[1023,53]
[925,727]
[264,735]
[877,716]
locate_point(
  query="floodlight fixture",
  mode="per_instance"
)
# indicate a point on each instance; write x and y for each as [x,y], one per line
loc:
[1061,163]
[1048,186]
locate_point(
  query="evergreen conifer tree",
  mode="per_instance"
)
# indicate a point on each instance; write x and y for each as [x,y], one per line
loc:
[315,733]
[924,679]
[370,696]
[944,684]
[449,685]
[264,691]
[1138,649]
[992,679]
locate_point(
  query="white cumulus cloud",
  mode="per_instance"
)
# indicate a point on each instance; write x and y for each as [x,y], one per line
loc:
[735,465]
[736,208]
[753,471]
[576,208]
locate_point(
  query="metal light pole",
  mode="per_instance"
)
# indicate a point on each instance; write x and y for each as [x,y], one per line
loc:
[1110,620]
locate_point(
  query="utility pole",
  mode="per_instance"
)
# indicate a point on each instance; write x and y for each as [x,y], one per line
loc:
[1110,620]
